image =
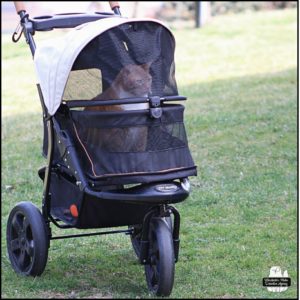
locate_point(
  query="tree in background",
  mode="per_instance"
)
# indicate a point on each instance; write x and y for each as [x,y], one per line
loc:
[185,10]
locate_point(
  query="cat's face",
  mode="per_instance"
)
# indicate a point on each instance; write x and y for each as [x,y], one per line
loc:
[137,79]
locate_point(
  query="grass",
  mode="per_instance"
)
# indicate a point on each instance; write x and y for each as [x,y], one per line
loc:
[240,75]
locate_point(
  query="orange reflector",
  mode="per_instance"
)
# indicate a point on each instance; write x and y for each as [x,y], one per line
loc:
[74,211]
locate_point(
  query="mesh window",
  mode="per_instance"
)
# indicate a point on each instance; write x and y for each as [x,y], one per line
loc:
[133,60]
[134,138]
[83,84]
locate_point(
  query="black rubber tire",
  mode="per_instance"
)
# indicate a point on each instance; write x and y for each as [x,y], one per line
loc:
[136,236]
[27,240]
[169,221]
[160,270]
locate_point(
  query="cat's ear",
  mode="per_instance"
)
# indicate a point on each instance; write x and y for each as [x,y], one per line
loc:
[146,66]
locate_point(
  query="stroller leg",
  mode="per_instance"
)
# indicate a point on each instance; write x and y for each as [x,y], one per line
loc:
[176,228]
[46,187]
[144,243]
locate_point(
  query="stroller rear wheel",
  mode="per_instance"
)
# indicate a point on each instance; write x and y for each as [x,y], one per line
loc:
[27,239]
[161,267]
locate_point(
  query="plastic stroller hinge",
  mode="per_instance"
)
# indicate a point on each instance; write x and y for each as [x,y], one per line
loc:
[155,109]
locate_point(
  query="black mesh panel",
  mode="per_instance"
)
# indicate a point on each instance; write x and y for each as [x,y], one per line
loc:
[135,43]
[131,143]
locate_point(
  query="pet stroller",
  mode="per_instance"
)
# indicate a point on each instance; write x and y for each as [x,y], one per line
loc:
[90,181]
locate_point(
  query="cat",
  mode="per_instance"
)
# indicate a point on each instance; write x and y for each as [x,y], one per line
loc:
[132,81]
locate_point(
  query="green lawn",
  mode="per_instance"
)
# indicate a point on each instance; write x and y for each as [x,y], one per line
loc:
[240,75]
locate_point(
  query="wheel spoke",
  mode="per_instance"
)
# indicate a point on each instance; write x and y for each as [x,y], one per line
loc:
[15,244]
[154,279]
[22,259]
[26,224]
[30,248]
[156,270]
[17,226]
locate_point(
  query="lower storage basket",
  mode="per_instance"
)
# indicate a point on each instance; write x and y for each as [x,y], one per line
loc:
[92,211]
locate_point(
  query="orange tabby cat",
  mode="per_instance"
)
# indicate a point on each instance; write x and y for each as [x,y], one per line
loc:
[132,81]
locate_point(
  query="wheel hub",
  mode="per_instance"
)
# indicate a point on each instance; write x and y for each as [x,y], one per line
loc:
[23,243]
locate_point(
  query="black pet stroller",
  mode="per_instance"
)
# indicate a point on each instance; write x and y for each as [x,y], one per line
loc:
[88,182]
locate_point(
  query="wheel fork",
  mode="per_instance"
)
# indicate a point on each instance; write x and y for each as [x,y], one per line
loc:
[159,212]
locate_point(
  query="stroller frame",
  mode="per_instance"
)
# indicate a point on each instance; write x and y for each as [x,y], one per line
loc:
[159,194]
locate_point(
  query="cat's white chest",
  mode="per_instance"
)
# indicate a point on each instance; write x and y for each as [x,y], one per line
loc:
[135,106]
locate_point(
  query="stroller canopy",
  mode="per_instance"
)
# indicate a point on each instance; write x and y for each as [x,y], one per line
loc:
[87,60]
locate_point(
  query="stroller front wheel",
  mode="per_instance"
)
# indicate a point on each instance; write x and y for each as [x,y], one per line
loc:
[27,240]
[161,267]
[135,237]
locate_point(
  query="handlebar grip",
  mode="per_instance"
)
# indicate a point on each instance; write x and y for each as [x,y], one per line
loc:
[19,5]
[114,4]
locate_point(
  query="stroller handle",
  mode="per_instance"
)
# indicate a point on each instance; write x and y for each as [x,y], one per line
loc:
[20,6]
[115,7]
[114,4]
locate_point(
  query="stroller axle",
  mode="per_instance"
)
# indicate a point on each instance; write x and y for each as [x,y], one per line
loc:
[126,231]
